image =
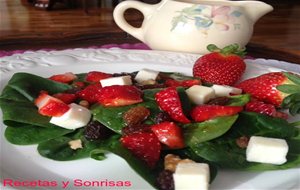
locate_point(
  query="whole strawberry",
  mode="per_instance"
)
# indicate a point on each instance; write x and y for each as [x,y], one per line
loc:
[281,89]
[222,66]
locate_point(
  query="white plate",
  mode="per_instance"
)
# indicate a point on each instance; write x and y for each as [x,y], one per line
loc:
[23,163]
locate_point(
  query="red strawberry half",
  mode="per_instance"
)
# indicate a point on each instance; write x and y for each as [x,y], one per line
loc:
[64,78]
[222,66]
[96,76]
[65,97]
[205,112]
[50,106]
[119,95]
[183,83]
[263,108]
[169,134]
[144,146]
[90,93]
[169,101]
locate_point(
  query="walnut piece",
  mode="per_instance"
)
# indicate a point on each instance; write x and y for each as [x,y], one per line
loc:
[172,160]
[75,144]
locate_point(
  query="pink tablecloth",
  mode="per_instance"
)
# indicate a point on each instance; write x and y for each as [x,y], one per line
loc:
[123,46]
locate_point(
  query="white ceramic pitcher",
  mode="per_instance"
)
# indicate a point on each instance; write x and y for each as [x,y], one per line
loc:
[190,25]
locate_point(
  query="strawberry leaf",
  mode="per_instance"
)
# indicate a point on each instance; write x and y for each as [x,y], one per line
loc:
[295,109]
[288,88]
[292,77]
[287,101]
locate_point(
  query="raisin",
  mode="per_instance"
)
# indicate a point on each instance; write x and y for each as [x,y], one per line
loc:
[165,180]
[135,129]
[150,86]
[124,74]
[221,101]
[136,115]
[96,131]
[162,117]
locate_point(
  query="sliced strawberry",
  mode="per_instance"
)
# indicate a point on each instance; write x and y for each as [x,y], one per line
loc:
[183,83]
[41,100]
[169,134]
[79,84]
[144,146]
[264,108]
[65,97]
[96,76]
[205,112]
[119,95]
[91,93]
[168,100]
[64,78]
[50,106]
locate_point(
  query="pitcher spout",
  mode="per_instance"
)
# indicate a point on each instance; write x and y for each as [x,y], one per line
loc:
[256,9]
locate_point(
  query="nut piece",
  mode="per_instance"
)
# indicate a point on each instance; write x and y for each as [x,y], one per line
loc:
[242,142]
[148,82]
[75,144]
[136,115]
[172,160]
[84,103]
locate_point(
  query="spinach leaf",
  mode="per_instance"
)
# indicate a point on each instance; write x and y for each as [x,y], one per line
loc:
[59,148]
[30,85]
[136,164]
[22,113]
[30,134]
[195,133]
[239,100]
[224,151]
[112,117]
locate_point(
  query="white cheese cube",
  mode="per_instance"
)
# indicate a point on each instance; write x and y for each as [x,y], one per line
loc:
[122,80]
[191,176]
[77,116]
[267,150]
[223,90]
[146,75]
[200,94]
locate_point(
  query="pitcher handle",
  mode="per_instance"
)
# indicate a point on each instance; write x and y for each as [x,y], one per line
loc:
[118,15]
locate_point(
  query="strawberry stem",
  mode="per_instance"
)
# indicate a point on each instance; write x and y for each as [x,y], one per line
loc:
[228,50]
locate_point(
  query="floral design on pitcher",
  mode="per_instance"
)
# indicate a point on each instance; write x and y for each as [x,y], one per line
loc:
[205,16]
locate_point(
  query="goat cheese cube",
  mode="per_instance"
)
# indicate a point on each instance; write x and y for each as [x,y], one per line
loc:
[122,80]
[223,90]
[200,94]
[191,176]
[267,150]
[146,75]
[77,116]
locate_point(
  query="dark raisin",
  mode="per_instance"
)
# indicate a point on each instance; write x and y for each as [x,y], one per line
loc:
[165,180]
[73,90]
[96,131]
[135,129]
[136,115]
[221,101]
[162,117]
[124,74]
[150,86]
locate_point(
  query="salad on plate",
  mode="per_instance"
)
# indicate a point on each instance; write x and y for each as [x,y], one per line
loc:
[170,128]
